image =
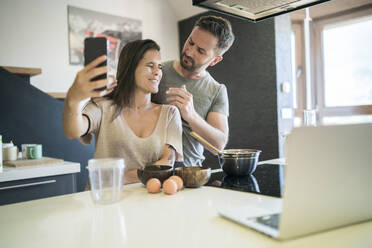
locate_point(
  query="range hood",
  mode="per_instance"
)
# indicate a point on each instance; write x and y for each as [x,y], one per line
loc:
[255,10]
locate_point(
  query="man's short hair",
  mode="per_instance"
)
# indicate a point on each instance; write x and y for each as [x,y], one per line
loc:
[219,27]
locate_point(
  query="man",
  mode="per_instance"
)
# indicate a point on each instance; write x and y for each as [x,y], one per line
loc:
[202,101]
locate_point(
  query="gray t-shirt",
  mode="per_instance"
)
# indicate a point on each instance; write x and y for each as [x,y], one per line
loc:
[208,96]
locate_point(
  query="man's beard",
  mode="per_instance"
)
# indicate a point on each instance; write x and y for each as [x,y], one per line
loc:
[190,68]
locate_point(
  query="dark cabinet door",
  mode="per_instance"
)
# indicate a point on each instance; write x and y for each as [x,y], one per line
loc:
[36,188]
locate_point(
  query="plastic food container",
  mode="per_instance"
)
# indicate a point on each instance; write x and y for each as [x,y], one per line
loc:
[106,179]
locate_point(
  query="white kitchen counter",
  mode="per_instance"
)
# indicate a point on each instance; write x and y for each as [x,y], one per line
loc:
[273,161]
[34,171]
[185,220]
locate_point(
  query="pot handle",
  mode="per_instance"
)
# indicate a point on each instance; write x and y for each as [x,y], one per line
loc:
[214,150]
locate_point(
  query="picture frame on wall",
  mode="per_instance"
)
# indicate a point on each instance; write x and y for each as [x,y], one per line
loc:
[83,23]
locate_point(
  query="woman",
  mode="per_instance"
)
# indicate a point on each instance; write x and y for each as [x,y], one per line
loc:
[125,122]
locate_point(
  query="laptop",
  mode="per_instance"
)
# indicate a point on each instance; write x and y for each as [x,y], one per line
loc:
[327,183]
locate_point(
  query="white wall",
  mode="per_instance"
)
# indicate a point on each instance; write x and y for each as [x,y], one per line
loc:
[35,34]
[184,9]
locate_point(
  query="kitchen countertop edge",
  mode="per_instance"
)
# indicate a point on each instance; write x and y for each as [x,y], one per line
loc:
[27,172]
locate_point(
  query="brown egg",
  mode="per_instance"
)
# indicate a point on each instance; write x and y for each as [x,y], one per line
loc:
[170,187]
[153,185]
[179,182]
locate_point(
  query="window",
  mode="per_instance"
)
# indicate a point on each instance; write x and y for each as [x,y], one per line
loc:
[347,58]
[341,67]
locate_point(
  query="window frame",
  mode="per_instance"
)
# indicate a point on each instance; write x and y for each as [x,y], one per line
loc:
[318,66]
[298,31]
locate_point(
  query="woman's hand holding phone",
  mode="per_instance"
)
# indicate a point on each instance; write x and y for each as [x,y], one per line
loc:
[83,88]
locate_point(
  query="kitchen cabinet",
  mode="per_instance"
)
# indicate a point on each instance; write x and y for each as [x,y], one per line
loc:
[28,108]
[36,188]
[36,182]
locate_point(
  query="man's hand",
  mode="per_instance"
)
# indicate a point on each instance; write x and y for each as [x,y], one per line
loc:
[183,100]
[214,129]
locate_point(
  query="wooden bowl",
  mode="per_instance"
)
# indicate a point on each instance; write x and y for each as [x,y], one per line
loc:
[194,177]
[161,172]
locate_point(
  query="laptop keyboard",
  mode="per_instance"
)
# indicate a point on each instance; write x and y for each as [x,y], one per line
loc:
[269,220]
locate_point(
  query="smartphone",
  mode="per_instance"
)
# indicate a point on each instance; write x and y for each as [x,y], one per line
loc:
[93,48]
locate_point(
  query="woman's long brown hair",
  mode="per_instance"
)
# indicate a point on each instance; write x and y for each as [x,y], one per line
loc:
[129,59]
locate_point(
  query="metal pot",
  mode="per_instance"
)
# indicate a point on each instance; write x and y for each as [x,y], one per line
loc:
[234,162]
[239,162]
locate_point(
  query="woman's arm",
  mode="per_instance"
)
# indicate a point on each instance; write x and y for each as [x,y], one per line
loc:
[168,157]
[74,123]
[131,177]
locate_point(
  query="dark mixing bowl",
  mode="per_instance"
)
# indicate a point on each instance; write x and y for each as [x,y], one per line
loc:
[239,162]
[161,172]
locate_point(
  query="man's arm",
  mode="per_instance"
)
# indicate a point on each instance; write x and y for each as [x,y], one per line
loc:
[214,129]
